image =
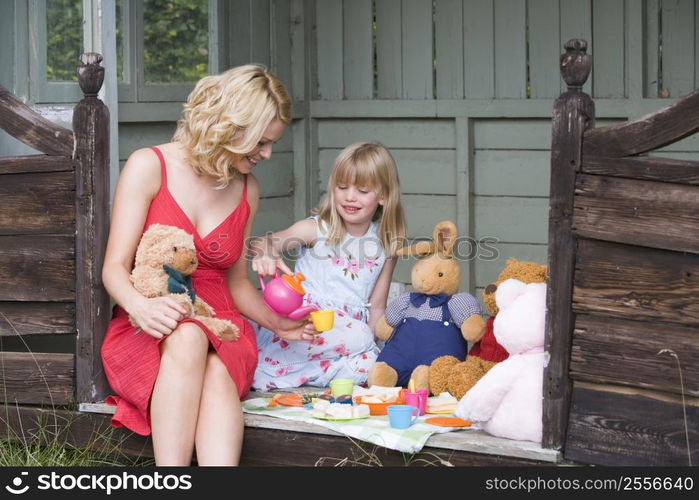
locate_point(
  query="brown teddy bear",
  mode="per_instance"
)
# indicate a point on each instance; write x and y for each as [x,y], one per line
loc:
[165,260]
[430,322]
[449,373]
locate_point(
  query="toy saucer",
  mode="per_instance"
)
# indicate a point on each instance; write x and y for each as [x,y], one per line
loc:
[448,422]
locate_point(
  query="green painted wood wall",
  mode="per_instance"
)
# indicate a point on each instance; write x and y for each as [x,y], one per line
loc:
[461,91]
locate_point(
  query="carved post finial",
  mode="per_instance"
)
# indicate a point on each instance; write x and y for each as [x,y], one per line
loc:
[90,73]
[576,63]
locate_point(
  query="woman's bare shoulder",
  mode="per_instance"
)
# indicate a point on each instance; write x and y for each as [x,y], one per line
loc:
[142,170]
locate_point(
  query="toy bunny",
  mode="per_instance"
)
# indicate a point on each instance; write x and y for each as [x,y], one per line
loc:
[431,322]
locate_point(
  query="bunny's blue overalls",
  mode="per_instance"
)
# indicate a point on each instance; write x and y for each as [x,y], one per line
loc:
[420,341]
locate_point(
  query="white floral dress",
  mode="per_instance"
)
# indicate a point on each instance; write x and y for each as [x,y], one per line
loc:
[339,278]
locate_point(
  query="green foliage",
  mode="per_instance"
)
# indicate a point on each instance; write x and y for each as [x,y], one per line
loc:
[176,40]
[64,38]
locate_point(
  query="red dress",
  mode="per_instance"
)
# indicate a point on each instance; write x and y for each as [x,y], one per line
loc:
[131,360]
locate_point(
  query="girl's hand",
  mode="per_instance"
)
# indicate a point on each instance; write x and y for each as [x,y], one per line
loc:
[264,262]
[295,330]
[158,316]
[266,265]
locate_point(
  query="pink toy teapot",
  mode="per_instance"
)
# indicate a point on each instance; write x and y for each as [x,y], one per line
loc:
[284,295]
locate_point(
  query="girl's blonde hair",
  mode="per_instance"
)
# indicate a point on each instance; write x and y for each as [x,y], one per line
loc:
[370,165]
[226,115]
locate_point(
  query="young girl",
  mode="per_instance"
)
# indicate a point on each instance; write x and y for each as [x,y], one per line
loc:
[344,260]
[173,376]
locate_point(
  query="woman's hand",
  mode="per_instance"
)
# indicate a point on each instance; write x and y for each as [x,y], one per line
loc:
[295,330]
[264,260]
[158,316]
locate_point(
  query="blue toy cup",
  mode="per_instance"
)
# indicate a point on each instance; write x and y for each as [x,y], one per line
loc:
[402,416]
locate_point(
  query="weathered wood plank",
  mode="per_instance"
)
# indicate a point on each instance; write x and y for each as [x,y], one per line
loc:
[389,62]
[633,44]
[678,35]
[276,177]
[37,318]
[300,30]
[358,50]
[652,47]
[626,352]
[650,168]
[629,428]
[544,40]
[261,446]
[281,41]
[268,447]
[576,22]
[630,282]
[32,129]
[417,36]
[647,133]
[240,32]
[511,173]
[91,125]
[479,47]
[424,211]
[37,378]
[573,112]
[608,28]
[637,212]
[37,268]
[512,134]
[449,46]
[274,214]
[409,133]
[510,49]
[37,203]
[511,219]
[133,136]
[329,49]
[35,164]
[260,32]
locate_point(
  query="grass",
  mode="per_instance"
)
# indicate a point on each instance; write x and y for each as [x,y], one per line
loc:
[364,456]
[50,444]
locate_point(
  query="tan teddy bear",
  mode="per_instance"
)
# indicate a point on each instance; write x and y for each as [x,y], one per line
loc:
[430,322]
[165,260]
[448,373]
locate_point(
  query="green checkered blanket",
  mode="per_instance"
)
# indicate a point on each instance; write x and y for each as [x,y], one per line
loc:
[374,429]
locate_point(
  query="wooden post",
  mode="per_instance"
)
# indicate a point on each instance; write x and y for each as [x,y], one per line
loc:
[573,113]
[91,159]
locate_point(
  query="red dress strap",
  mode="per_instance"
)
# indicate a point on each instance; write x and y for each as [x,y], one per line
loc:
[163,170]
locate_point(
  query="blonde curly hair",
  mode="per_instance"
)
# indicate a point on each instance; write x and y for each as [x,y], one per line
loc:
[226,115]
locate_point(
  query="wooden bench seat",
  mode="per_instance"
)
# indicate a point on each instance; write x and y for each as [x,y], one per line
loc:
[275,441]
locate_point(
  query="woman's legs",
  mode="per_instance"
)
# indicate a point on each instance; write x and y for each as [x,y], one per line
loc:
[176,394]
[219,432]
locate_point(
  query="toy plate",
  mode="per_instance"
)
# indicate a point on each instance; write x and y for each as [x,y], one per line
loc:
[286,400]
[333,419]
[448,422]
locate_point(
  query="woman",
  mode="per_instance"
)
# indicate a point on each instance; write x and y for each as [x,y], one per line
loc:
[172,375]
